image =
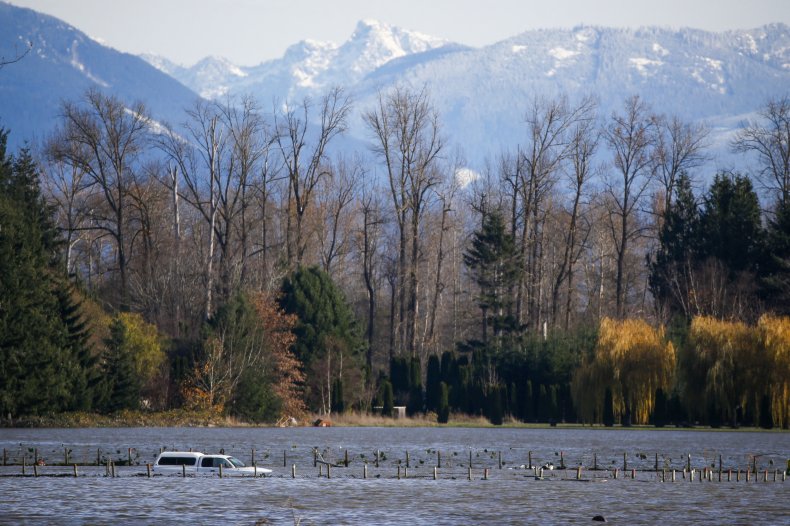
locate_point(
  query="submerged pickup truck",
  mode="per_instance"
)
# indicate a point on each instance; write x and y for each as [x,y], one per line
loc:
[182,462]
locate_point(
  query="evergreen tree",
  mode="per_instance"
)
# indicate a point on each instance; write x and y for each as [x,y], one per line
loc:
[254,399]
[432,383]
[660,409]
[415,404]
[680,239]
[528,411]
[327,334]
[443,409]
[731,223]
[495,411]
[400,378]
[43,348]
[120,383]
[387,402]
[776,275]
[494,262]
[86,378]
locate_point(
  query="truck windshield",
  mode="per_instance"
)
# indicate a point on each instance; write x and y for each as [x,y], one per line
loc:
[236,462]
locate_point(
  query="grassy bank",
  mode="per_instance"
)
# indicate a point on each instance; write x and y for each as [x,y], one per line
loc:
[184,418]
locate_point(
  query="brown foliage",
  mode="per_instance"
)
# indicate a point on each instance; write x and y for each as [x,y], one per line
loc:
[287,372]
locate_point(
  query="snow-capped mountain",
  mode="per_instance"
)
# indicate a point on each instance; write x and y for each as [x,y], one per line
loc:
[62,63]
[482,94]
[306,67]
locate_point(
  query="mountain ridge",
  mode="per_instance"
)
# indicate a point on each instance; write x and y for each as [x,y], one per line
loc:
[481,94]
[62,64]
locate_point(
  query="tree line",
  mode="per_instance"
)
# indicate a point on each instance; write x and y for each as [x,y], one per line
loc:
[239,262]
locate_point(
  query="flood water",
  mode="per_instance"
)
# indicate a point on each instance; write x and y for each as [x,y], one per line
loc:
[511,495]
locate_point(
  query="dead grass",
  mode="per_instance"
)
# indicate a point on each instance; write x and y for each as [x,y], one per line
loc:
[357,419]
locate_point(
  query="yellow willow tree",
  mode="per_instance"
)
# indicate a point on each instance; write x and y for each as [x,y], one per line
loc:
[774,336]
[632,360]
[721,367]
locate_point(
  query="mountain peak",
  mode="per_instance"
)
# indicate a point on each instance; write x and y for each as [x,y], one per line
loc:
[374,43]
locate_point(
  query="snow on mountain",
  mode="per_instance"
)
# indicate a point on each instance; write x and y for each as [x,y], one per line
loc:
[62,63]
[307,67]
[482,94]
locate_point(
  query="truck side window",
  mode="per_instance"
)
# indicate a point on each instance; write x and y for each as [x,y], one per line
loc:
[207,463]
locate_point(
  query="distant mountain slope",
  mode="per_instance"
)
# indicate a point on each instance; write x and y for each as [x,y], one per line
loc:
[482,94]
[306,67]
[62,64]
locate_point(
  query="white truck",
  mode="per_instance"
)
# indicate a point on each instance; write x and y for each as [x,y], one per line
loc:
[195,463]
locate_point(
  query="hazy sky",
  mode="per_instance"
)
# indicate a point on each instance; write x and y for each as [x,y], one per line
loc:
[251,31]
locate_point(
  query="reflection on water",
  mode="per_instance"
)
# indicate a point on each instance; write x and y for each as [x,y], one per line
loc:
[512,495]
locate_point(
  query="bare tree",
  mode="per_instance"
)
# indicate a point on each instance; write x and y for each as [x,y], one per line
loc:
[549,127]
[679,148]
[70,189]
[199,160]
[368,240]
[406,130]
[631,138]
[583,146]
[769,140]
[446,196]
[104,138]
[250,142]
[304,157]
[334,200]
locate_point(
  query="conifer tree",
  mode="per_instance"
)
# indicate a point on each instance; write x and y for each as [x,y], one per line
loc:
[120,383]
[494,262]
[387,402]
[43,351]
[775,281]
[432,383]
[680,239]
[328,339]
[443,409]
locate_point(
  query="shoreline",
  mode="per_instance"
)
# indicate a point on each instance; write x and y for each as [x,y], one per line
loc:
[183,418]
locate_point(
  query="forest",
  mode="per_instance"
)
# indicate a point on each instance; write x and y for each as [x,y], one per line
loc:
[243,262]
